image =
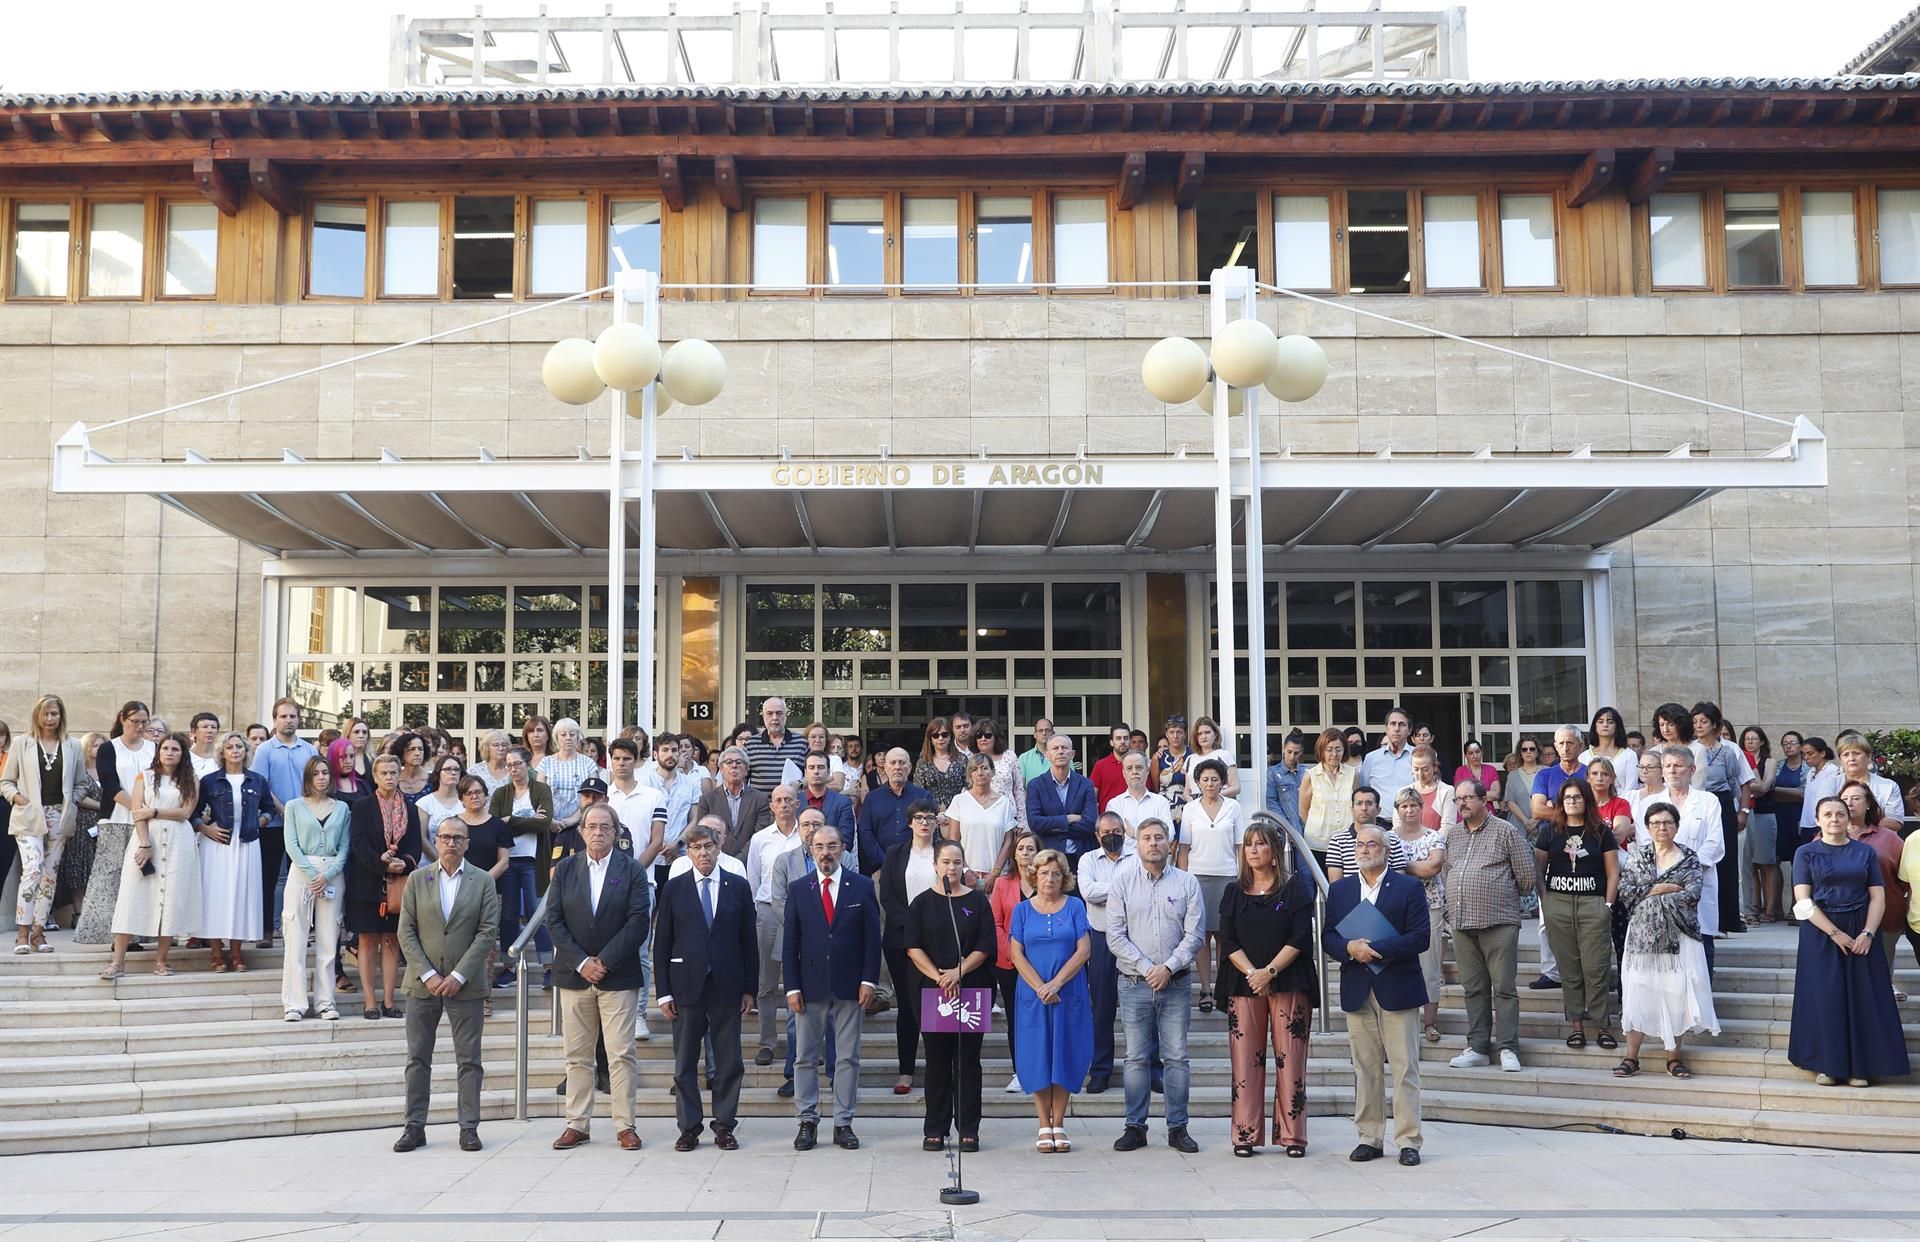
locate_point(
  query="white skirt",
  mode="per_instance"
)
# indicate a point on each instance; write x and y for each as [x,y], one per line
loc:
[166,903]
[1667,995]
[230,901]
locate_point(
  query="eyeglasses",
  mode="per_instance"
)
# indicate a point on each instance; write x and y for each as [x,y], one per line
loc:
[942,733]
[926,819]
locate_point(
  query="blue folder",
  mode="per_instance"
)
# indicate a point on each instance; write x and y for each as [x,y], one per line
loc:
[1365,922]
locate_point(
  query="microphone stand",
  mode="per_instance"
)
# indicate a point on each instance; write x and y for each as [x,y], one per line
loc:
[957,1194]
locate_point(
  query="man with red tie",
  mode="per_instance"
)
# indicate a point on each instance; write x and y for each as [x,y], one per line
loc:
[831,952]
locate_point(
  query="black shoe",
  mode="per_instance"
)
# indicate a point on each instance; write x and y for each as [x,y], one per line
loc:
[388,1011]
[933,1142]
[1409,1156]
[803,1141]
[1364,1153]
[1098,1084]
[690,1139]
[469,1139]
[1180,1140]
[843,1136]
[505,979]
[786,1090]
[560,1088]
[1545,983]
[410,1138]
[1159,1085]
[601,1083]
[1133,1138]
[763,1057]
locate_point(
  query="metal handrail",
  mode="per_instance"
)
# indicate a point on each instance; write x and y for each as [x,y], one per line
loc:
[1303,859]
[516,955]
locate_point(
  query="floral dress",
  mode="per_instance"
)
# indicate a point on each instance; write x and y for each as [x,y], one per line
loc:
[76,865]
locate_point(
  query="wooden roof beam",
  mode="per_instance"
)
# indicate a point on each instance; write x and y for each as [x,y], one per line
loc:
[1721,111]
[183,122]
[1650,174]
[1133,179]
[23,127]
[1803,113]
[1562,117]
[101,123]
[673,187]
[64,126]
[219,186]
[271,183]
[726,178]
[1193,175]
[1592,178]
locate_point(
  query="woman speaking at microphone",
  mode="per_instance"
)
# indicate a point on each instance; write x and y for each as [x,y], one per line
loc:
[950,941]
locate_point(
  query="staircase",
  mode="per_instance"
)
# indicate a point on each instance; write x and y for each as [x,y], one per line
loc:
[198,1057]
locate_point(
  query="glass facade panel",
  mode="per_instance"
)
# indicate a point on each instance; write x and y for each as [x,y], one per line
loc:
[1753,240]
[1830,246]
[779,243]
[483,235]
[546,619]
[1473,614]
[1529,258]
[1549,614]
[557,261]
[1080,241]
[1679,247]
[1303,241]
[1397,614]
[1450,228]
[1009,616]
[42,237]
[1899,221]
[633,234]
[473,619]
[1377,242]
[337,268]
[856,618]
[930,241]
[410,250]
[1086,616]
[193,240]
[1320,615]
[396,620]
[116,250]
[1553,689]
[780,618]
[856,242]
[933,617]
[319,620]
[1003,248]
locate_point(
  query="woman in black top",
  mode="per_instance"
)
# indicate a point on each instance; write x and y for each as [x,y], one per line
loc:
[488,840]
[950,941]
[383,839]
[1577,853]
[1267,986]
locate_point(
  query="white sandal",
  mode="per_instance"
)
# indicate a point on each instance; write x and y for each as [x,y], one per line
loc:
[1061,1143]
[1044,1144]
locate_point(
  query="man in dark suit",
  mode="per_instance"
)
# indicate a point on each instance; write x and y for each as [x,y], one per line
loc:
[1061,804]
[597,916]
[831,952]
[707,962]
[883,814]
[744,809]
[449,918]
[1383,1007]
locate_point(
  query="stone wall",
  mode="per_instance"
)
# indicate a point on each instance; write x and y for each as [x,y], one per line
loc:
[1794,608]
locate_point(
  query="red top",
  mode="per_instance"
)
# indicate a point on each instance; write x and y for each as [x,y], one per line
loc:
[1005,897]
[1614,808]
[1109,782]
[1888,845]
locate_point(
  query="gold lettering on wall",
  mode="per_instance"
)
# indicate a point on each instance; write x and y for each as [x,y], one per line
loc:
[938,474]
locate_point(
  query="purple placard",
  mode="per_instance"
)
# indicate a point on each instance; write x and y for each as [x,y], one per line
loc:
[970,1013]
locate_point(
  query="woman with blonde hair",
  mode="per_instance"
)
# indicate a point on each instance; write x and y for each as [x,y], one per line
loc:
[38,780]
[491,766]
[1208,744]
[1049,939]
[233,805]
[1326,795]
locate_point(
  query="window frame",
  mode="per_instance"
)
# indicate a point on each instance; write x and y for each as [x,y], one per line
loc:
[442,255]
[157,258]
[1864,191]
[90,205]
[1787,201]
[1497,262]
[10,241]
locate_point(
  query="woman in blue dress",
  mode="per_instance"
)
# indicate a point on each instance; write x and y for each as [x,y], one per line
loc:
[1053,1021]
[1845,1024]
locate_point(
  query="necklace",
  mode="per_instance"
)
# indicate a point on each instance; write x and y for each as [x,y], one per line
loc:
[48,760]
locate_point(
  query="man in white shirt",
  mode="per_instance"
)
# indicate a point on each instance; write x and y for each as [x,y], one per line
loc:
[782,836]
[1699,831]
[728,862]
[1095,881]
[1390,769]
[1136,802]
[643,822]
[680,789]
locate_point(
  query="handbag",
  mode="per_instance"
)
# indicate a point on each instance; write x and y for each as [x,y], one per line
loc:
[394,893]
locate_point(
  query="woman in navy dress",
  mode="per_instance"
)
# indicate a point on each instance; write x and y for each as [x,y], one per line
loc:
[1053,1027]
[1845,1025]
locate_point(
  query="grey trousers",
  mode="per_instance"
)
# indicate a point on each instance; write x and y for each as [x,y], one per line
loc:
[1485,957]
[423,1021]
[768,929]
[811,1024]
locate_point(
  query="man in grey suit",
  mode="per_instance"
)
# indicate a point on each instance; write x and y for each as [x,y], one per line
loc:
[744,809]
[449,919]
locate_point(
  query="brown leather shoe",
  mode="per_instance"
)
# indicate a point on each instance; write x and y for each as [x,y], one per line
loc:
[628,1140]
[570,1138]
[724,1140]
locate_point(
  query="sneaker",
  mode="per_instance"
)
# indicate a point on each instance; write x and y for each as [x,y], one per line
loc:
[504,979]
[1014,1087]
[293,1015]
[1470,1060]
[641,1031]
[1509,1061]
[329,1014]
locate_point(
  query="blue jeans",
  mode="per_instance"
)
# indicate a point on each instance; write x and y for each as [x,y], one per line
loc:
[1157,1022]
[517,900]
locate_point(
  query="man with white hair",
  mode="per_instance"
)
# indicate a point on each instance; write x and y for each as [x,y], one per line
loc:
[737,804]
[1699,831]
[769,750]
[883,813]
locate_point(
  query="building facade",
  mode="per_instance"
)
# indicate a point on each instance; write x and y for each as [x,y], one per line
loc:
[934,479]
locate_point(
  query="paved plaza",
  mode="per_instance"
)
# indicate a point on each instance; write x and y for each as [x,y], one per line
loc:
[1484,1182]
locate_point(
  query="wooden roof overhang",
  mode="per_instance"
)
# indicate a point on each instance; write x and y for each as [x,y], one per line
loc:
[1638,130]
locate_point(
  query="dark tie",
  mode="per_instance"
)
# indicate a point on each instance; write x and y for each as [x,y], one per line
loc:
[706,898]
[826,899]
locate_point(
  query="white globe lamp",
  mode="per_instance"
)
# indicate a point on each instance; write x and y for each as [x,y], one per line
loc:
[1175,370]
[626,357]
[1236,401]
[1244,352]
[568,372]
[1299,370]
[693,372]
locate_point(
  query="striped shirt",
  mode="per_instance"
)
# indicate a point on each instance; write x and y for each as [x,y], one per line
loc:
[564,777]
[765,759]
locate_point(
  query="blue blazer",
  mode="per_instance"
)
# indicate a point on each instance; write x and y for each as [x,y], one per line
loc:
[216,804]
[697,964]
[830,963]
[883,822]
[1047,814]
[1400,985]
[838,810]
[614,935]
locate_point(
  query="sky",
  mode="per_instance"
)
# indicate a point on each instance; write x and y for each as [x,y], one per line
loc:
[106,45]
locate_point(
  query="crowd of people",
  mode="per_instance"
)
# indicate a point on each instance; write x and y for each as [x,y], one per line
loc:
[978,883]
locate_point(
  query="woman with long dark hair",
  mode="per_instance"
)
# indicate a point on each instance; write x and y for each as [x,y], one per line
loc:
[1577,854]
[383,840]
[1607,739]
[950,941]
[1009,890]
[118,762]
[941,769]
[160,879]
[1761,838]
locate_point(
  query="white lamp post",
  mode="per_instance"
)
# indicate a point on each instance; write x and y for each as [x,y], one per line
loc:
[626,358]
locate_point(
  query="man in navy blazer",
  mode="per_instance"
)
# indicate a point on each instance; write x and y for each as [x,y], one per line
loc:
[831,952]
[706,957]
[1383,1006]
[1061,804]
[883,814]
